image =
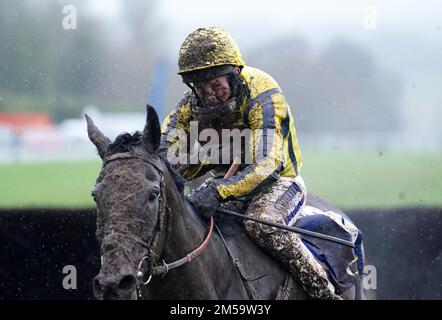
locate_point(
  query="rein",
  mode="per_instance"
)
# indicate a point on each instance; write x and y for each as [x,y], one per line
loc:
[163,269]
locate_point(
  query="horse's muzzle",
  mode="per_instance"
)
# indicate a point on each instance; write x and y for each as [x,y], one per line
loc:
[115,287]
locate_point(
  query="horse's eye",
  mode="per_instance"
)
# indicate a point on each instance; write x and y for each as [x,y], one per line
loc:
[153,194]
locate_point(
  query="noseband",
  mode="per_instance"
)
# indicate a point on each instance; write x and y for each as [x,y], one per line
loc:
[163,224]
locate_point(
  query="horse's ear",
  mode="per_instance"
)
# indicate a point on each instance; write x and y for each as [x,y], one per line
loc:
[97,138]
[152,130]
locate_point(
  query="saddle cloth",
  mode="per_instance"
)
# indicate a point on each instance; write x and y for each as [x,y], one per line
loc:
[343,264]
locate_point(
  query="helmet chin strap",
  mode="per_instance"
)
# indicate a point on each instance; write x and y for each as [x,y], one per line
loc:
[208,115]
[194,92]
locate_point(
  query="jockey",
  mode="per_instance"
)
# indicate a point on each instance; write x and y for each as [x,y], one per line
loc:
[226,94]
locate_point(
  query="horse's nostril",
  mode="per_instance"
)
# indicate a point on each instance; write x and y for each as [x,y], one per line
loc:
[128,282]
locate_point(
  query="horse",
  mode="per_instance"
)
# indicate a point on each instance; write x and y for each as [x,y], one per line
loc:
[155,246]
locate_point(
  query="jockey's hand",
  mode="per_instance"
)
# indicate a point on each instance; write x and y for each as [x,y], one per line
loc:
[205,199]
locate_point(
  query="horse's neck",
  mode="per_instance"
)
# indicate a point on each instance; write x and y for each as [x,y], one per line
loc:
[211,275]
[187,232]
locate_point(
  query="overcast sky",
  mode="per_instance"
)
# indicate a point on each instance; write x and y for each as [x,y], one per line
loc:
[404,35]
[250,21]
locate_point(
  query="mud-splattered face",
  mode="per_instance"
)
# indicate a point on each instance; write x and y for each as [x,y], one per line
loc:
[127,196]
[213,92]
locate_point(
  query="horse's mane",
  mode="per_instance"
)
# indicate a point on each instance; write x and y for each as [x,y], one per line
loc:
[178,179]
[125,142]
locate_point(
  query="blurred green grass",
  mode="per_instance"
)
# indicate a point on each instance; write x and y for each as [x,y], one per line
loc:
[347,179]
[375,179]
[52,184]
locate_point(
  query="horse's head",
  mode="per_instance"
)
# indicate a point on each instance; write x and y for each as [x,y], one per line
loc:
[128,194]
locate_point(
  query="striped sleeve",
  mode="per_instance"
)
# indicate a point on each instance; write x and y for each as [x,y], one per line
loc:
[264,115]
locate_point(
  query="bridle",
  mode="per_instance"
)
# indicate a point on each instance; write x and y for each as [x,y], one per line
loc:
[162,229]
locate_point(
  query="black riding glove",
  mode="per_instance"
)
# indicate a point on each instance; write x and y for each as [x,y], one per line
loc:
[205,199]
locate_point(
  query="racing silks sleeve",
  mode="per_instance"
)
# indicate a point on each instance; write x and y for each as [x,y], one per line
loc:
[264,115]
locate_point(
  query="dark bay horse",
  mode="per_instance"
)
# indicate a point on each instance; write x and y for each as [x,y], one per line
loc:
[143,222]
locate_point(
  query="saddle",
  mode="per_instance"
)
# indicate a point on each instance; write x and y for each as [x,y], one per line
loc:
[344,265]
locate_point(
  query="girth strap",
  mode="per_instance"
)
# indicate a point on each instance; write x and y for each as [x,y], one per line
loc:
[239,267]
